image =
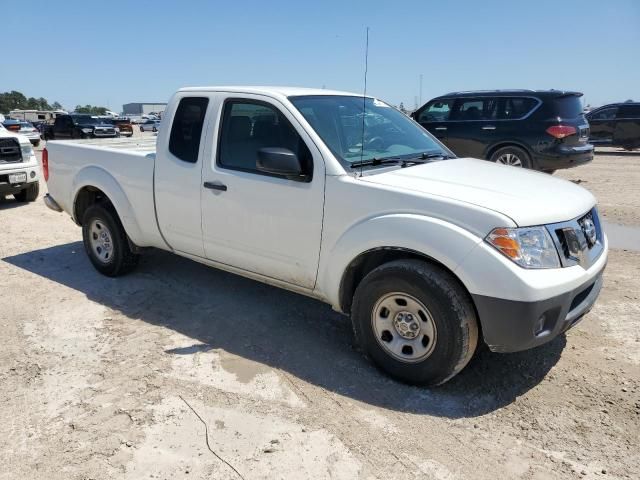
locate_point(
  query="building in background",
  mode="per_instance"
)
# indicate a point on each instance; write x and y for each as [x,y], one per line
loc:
[143,108]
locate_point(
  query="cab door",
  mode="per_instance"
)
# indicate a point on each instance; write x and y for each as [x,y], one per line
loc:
[178,174]
[473,126]
[434,117]
[259,222]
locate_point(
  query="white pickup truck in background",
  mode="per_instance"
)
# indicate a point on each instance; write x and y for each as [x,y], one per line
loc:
[19,169]
[347,200]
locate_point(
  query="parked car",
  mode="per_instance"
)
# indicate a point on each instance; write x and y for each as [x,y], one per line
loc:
[31,132]
[616,125]
[124,125]
[79,126]
[541,130]
[150,125]
[358,207]
[19,171]
[12,124]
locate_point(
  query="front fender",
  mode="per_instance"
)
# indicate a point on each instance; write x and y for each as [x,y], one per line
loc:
[97,177]
[442,241]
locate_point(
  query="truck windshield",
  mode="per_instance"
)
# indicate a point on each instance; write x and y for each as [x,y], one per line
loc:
[357,129]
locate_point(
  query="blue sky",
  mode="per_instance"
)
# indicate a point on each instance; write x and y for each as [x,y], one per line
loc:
[114,52]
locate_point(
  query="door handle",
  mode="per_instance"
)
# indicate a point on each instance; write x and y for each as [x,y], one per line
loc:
[489,127]
[440,128]
[215,186]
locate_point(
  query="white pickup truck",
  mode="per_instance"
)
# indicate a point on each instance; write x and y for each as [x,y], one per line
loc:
[343,198]
[19,169]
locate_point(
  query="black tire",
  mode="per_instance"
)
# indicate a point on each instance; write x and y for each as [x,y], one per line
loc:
[519,153]
[37,144]
[154,129]
[450,308]
[28,194]
[141,129]
[121,259]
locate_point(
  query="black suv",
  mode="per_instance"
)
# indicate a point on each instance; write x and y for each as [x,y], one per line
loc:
[542,130]
[616,125]
[79,126]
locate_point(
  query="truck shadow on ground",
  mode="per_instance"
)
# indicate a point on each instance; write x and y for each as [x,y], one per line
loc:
[296,334]
[8,203]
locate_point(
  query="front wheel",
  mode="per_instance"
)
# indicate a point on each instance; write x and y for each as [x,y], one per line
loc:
[415,321]
[106,242]
[142,129]
[29,194]
[512,156]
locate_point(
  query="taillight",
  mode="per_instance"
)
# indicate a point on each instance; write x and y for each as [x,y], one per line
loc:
[45,164]
[561,131]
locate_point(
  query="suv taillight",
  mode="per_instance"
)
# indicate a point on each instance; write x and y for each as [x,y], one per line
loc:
[45,164]
[561,131]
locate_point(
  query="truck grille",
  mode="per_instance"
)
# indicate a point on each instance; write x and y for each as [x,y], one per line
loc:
[579,241]
[10,151]
[104,132]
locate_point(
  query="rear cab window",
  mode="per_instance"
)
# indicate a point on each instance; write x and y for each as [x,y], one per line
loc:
[186,130]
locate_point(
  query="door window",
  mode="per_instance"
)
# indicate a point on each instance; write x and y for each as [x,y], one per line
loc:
[514,108]
[629,111]
[437,111]
[248,126]
[605,114]
[184,141]
[471,109]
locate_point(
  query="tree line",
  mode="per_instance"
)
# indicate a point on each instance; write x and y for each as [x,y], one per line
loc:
[14,100]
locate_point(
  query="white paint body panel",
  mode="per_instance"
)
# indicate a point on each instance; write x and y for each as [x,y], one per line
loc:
[29,165]
[303,236]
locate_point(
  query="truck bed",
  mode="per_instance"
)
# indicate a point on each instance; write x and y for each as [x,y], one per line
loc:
[121,165]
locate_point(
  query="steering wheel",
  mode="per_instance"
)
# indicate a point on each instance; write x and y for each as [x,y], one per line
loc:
[374,143]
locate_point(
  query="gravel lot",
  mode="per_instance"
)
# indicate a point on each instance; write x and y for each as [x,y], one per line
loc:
[116,378]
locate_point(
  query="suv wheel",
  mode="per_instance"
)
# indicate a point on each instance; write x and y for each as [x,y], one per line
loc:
[106,242]
[512,156]
[415,321]
[29,194]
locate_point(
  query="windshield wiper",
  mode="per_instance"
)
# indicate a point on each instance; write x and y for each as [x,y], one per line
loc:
[377,161]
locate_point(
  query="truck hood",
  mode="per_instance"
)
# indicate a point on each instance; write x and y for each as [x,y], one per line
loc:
[527,197]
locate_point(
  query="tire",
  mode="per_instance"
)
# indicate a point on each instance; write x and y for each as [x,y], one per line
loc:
[111,255]
[29,194]
[445,318]
[154,129]
[142,129]
[37,144]
[513,156]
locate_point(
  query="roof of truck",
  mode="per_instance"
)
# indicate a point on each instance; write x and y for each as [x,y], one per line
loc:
[270,90]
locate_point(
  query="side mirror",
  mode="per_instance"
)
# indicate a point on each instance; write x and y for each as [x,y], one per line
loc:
[280,161]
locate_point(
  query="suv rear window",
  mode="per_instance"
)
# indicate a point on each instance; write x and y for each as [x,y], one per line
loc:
[567,107]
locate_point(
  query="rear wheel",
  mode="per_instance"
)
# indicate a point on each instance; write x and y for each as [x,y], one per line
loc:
[415,321]
[142,129]
[29,194]
[512,156]
[106,242]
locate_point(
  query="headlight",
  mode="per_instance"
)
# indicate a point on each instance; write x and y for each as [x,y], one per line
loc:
[87,130]
[529,247]
[27,150]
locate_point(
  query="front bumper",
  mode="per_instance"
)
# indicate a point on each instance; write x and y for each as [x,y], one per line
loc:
[563,157]
[512,326]
[30,168]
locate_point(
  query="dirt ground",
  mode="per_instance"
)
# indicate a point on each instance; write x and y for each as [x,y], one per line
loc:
[181,371]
